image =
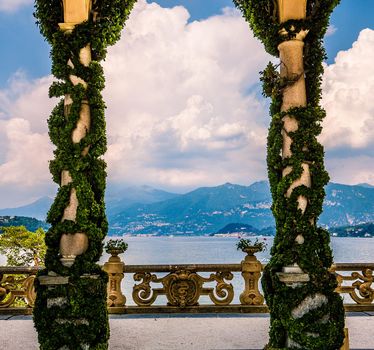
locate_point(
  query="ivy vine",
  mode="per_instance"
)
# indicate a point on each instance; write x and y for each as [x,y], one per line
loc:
[322,327]
[80,321]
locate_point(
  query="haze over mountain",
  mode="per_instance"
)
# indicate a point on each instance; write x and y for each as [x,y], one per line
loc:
[37,209]
[208,209]
[145,210]
[119,198]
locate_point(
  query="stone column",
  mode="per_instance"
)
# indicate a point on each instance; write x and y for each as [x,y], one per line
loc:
[72,289]
[291,53]
[298,288]
[72,245]
[294,95]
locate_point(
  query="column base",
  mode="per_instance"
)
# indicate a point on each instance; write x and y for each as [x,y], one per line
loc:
[293,276]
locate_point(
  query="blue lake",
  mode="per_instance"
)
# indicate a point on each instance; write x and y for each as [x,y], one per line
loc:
[217,250]
[211,250]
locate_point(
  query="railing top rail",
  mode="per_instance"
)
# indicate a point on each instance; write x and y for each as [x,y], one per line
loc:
[352,266]
[19,269]
[189,267]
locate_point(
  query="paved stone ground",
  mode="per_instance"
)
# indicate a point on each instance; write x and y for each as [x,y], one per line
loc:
[202,332]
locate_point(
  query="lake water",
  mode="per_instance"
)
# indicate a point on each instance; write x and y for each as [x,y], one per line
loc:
[217,250]
[212,250]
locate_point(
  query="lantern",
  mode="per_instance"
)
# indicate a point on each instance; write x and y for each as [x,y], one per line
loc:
[291,9]
[76,11]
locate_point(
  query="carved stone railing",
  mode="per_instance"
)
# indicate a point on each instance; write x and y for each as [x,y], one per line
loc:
[358,285]
[182,285]
[17,293]
[192,288]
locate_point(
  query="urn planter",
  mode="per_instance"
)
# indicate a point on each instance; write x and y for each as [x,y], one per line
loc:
[72,245]
[251,250]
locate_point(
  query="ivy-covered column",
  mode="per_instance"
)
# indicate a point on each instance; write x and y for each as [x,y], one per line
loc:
[305,311]
[71,311]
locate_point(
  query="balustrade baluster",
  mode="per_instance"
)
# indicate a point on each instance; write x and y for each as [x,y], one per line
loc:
[251,272]
[114,267]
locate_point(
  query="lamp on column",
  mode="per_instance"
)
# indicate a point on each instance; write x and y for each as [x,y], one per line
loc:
[75,12]
[291,9]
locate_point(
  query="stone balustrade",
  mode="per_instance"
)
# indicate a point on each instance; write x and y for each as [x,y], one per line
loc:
[189,288]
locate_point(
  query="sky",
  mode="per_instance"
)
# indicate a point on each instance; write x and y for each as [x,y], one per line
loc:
[184,107]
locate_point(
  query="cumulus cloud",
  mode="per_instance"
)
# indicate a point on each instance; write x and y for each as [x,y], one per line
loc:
[348,87]
[24,143]
[331,30]
[352,169]
[13,5]
[22,164]
[184,109]
[177,101]
[179,113]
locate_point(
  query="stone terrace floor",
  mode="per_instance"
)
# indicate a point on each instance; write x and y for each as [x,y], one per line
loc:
[200,332]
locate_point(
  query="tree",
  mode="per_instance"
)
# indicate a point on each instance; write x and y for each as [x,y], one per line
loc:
[22,247]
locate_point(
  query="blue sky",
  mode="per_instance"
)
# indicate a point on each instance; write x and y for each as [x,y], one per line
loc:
[184,108]
[25,49]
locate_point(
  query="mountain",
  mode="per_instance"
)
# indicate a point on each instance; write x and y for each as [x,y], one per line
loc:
[238,228]
[202,211]
[146,210]
[119,198]
[207,209]
[363,230]
[364,184]
[346,205]
[37,209]
[31,224]
[244,229]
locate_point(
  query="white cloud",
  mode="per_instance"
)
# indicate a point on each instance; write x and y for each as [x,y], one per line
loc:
[24,143]
[348,132]
[177,104]
[178,110]
[331,30]
[27,155]
[180,114]
[27,99]
[13,5]
[348,87]
[352,169]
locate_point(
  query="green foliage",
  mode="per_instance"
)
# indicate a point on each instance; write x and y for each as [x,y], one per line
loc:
[22,247]
[31,224]
[79,323]
[314,256]
[103,28]
[116,244]
[247,243]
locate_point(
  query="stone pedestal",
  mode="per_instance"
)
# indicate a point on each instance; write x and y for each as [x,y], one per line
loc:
[293,276]
[251,272]
[114,268]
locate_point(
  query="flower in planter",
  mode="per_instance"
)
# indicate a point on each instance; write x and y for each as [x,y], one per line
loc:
[116,245]
[246,244]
